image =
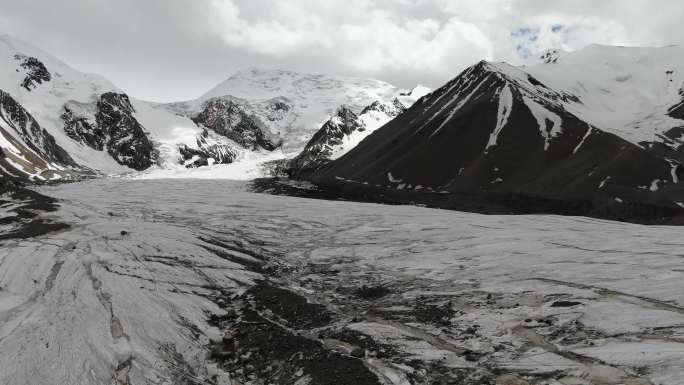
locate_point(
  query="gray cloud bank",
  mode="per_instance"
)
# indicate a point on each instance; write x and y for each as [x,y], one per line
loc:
[176,49]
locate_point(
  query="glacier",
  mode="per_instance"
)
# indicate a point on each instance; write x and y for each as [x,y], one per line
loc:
[153,279]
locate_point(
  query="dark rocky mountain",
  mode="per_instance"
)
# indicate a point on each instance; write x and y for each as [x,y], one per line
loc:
[495,130]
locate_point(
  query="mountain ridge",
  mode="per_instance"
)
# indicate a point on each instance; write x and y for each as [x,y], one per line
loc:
[498,129]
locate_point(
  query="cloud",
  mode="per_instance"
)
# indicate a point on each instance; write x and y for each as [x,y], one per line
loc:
[367,39]
[176,49]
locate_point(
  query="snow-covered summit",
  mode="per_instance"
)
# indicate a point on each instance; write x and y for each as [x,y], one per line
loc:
[624,90]
[255,84]
[295,105]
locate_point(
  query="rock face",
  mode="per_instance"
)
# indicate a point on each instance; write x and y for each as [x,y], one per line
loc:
[341,133]
[227,118]
[110,124]
[495,129]
[127,142]
[392,109]
[210,150]
[78,127]
[37,73]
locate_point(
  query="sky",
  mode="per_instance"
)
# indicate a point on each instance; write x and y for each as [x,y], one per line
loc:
[170,50]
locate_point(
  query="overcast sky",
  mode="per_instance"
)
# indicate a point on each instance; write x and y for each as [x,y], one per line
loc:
[177,49]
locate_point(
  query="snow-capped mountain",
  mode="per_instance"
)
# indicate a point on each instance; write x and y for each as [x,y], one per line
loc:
[58,122]
[293,106]
[601,122]
[631,92]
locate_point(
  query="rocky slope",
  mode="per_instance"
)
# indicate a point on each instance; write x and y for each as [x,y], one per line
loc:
[343,132]
[536,131]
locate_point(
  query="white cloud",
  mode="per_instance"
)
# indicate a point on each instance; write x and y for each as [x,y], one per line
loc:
[357,34]
[183,47]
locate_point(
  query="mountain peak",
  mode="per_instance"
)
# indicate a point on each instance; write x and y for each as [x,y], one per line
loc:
[256,83]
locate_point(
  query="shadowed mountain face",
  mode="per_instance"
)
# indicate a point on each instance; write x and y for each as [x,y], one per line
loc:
[495,129]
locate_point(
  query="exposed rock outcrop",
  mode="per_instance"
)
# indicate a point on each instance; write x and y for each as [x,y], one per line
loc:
[37,73]
[227,118]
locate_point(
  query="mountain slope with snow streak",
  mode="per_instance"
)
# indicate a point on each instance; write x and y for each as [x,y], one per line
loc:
[498,129]
[628,91]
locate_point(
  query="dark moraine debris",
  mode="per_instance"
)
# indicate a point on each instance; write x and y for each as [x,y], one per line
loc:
[437,314]
[566,304]
[23,220]
[290,307]
[372,292]
[260,350]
